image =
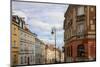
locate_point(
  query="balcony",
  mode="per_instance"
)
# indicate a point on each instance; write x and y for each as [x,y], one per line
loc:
[80,18]
[80,35]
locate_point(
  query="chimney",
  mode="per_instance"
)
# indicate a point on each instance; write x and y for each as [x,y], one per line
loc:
[26,26]
[23,18]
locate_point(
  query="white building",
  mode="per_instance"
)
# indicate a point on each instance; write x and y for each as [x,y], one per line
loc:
[27,40]
[39,52]
[62,57]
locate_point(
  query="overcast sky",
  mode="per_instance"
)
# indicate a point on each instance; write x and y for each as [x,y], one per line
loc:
[41,17]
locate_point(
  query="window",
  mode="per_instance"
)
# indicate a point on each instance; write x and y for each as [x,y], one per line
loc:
[21,60]
[31,58]
[14,31]
[17,19]
[81,50]
[80,29]
[14,45]
[91,21]
[28,59]
[92,9]
[21,23]
[14,59]
[92,25]
[25,59]
[80,11]
[71,51]
[21,33]
[68,52]
[14,28]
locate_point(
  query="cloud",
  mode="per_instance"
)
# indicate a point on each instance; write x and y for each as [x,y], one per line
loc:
[56,15]
[41,25]
[47,40]
[42,18]
[45,26]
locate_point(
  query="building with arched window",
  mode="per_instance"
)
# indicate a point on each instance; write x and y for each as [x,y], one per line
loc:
[80,33]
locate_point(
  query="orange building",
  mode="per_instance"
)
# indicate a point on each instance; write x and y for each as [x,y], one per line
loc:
[80,33]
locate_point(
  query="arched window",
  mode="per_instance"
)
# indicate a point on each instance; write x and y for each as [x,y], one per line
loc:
[69,51]
[21,60]
[25,58]
[28,59]
[81,50]
[14,59]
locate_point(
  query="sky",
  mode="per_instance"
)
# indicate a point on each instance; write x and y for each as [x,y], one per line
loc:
[41,18]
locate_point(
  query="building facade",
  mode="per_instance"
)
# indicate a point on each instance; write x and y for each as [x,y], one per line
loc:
[27,49]
[39,51]
[62,57]
[58,55]
[23,41]
[50,54]
[27,40]
[14,40]
[43,52]
[80,33]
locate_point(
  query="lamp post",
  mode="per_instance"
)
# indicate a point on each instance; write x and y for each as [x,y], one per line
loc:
[53,32]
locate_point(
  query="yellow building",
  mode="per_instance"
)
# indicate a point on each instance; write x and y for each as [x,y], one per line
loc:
[50,51]
[14,40]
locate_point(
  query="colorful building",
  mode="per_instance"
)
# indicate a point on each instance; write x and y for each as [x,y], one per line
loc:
[27,40]
[80,33]
[23,41]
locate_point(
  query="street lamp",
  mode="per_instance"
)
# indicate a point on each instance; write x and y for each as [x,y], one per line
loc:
[53,32]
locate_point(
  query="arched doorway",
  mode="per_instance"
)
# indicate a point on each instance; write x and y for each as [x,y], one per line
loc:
[28,59]
[81,52]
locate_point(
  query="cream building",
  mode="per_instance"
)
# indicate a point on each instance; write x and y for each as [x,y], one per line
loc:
[27,40]
[62,57]
[50,54]
[58,55]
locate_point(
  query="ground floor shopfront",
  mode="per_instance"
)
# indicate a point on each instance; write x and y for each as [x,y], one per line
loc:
[80,50]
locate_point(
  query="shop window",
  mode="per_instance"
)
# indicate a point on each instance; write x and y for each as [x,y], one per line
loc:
[81,51]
